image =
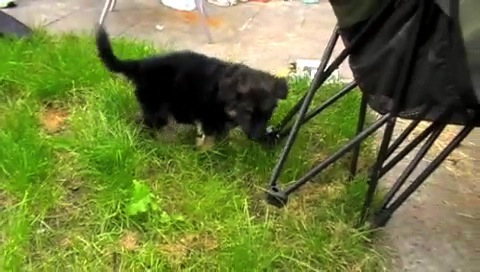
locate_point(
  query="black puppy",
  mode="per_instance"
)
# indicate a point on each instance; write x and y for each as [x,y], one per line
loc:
[197,89]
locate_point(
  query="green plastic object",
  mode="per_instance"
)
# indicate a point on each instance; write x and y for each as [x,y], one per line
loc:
[350,12]
[470,25]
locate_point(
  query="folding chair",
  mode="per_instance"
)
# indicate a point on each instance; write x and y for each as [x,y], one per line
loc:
[109,6]
[418,60]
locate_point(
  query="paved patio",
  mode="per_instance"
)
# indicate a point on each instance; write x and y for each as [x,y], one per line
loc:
[437,230]
[249,32]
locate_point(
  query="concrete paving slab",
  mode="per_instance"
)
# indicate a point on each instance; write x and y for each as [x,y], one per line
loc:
[117,24]
[438,227]
[274,37]
[183,29]
[41,13]
[249,33]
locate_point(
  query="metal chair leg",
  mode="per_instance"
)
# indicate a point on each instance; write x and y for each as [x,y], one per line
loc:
[108,6]
[381,217]
[360,125]
[113,3]
[200,5]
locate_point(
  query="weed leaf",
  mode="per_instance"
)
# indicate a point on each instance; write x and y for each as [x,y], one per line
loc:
[140,200]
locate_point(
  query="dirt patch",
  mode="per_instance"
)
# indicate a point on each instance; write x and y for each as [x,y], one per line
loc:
[71,207]
[309,197]
[130,241]
[74,188]
[6,200]
[53,119]
[63,215]
[176,251]
[302,205]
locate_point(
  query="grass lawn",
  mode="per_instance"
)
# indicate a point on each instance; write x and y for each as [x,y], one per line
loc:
[82,189]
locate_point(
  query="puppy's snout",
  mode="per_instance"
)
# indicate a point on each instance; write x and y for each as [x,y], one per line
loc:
[257,130]
[255,136]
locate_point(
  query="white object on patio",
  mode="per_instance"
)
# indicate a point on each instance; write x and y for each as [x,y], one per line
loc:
[109,6]
[7,3]
[186,5]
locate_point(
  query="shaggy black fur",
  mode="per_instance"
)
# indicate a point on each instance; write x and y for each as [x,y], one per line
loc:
[194,88]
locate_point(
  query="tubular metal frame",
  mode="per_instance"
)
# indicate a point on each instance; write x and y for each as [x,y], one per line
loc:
[388,154]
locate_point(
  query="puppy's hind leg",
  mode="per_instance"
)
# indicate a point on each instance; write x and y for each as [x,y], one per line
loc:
[210,131]
[200,135]
[153,120]
[205,138]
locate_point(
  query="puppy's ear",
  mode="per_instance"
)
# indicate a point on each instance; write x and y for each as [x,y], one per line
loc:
[227,89]
[280,89]
[233,83]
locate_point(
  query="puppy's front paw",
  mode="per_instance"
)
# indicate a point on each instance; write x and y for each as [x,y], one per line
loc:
[138,118]
[205,143]
[200,140]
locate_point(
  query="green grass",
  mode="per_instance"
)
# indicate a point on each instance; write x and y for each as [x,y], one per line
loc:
[81,189]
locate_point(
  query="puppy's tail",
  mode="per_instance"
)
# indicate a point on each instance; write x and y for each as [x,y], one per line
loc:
[127,67]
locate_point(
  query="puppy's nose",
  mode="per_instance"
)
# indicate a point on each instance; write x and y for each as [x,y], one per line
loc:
[256,134]
[254,137]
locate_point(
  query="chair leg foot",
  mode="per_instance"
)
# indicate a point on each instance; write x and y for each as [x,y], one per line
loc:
[200,6]
[380,219]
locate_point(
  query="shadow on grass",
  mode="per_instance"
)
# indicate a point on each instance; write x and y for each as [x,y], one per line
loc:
[70,155]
